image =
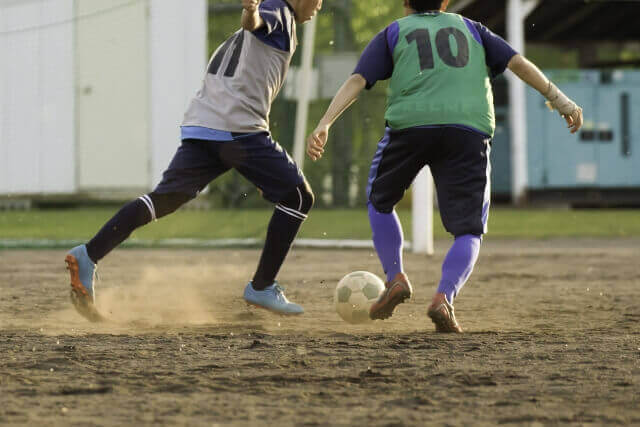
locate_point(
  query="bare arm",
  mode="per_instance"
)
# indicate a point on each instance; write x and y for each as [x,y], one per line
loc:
[251,19]
[346,96]
[529,73]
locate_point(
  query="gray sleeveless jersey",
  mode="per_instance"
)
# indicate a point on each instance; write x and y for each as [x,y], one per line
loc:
[243,78]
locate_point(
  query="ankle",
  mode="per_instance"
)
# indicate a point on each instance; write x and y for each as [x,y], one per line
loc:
[438,299]
[259,285]
[401,276]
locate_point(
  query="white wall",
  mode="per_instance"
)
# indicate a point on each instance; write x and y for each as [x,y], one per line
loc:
[92,92]
[178,34]
[112,116]
[36,97]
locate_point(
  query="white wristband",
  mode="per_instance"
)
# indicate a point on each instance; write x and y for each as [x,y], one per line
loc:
[559,101]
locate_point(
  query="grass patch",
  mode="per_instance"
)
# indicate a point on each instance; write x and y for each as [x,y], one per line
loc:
[331,224]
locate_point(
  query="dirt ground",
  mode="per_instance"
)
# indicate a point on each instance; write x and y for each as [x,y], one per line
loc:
[553,337]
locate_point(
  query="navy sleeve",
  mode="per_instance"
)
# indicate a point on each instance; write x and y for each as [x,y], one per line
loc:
[277,23]
[376,61]
[498,52]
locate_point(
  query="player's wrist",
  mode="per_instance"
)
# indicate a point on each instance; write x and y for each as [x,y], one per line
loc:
[324,123]
[557,100]
[251,7]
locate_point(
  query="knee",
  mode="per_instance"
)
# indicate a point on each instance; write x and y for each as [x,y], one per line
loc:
[474,238]
[166,203]
[307,196]
[298,202]
[381,206]
[466,231]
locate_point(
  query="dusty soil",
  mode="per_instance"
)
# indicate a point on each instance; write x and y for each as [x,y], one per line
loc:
[553,337]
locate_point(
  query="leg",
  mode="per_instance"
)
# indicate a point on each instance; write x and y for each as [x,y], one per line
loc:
[399,158]
[81,260]
[388,240]
[263,291]
[462,178]
[263,162]
[458,265]
[133,215]
[283,227]
[191,169]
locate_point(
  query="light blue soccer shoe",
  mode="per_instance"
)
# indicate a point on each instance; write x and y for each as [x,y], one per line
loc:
[83,271]
[272,299]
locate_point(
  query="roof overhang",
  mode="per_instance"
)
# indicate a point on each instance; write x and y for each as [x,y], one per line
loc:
[563,21]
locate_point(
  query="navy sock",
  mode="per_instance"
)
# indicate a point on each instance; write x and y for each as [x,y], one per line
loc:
[280,234]
[132,215]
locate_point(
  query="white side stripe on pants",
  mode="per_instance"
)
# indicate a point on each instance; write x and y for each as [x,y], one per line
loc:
[486,205]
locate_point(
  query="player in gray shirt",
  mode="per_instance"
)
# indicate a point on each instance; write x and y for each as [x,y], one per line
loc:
[226,126]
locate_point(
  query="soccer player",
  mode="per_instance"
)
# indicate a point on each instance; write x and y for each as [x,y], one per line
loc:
[439,113]
[226,126]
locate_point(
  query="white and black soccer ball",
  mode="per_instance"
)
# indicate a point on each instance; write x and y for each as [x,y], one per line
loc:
[355,294]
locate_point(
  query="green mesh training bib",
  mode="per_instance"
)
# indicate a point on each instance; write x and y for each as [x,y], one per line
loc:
[440,75]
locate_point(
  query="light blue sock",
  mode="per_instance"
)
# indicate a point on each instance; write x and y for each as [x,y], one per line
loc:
[458,265]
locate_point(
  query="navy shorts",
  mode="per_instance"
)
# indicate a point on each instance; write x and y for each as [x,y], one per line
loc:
[258,158]
[461,169]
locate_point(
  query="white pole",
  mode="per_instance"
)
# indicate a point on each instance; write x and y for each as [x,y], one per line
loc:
[304,92]
[422,213]
[517,105]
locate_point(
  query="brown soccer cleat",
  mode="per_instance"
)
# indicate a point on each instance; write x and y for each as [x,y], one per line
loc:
[442,315]
[396,292]
[83,299]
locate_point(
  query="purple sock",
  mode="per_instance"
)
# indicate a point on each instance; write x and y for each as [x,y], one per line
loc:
[458,265]
[387,238]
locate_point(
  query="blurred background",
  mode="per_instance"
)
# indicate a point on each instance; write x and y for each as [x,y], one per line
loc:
[92,95]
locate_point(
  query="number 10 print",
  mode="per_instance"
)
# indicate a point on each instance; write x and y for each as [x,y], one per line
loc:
[422,38]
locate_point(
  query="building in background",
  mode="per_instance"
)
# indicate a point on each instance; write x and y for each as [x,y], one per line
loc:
[92,92]
[599,45]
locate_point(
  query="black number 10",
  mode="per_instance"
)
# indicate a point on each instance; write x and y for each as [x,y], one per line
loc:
[425,48]
[237,41]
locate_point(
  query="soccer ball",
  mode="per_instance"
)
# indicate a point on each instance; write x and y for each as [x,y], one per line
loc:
[355,294]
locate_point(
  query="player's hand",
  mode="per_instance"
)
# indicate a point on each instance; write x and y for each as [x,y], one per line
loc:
[574,120]
[250,5]
[316,142]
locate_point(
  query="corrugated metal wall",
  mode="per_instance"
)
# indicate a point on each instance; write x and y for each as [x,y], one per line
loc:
[112,100]
[92,92]
[605,154]
[179,56]
[36,97]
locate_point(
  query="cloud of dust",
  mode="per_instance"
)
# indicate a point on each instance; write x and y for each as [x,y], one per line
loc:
[172,295]
[160,296]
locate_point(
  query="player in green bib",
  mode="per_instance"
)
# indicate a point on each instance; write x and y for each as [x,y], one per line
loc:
[439,114]
[440,75]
